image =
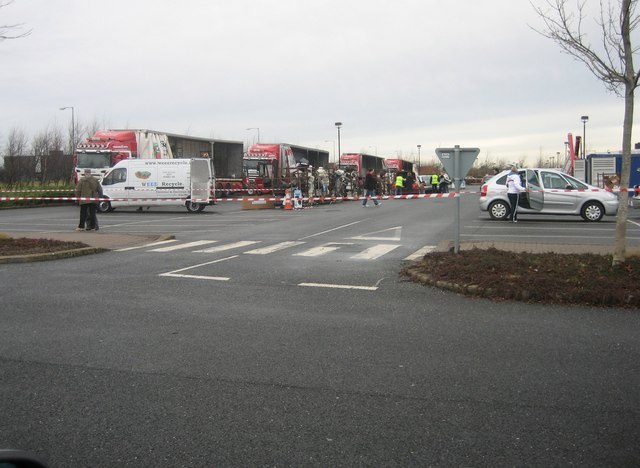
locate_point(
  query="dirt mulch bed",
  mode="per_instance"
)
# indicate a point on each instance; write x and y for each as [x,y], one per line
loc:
[23,246]
[551,278]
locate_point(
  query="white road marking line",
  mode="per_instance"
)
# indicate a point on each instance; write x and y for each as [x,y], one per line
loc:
[397,230]
[338,286]
[210,278]
[421,252]
[330,230]
[176,273]
[153,244]
[321,250]
[222,248]
[183,246]
[274,248]
[633,222]
[375,252]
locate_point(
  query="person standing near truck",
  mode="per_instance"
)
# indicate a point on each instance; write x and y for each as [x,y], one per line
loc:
[370,188]
[87,190]
[399,183]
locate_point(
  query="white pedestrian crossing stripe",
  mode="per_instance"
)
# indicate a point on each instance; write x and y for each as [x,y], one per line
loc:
[274,248]
[371,252]
[375,252]
[321,250]
[222,248]
[421,252]
[188,245]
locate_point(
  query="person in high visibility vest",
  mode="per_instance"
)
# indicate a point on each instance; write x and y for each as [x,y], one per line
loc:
[399,184]
[434,183]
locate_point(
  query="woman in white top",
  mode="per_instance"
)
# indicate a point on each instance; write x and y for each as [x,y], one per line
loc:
[514,187]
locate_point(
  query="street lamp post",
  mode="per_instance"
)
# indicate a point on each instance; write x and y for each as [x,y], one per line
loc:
[584,119]
[419,146]
[73,128]
[338,125]
[258,129]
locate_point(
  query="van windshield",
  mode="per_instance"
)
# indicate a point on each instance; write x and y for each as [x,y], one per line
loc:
[116,176]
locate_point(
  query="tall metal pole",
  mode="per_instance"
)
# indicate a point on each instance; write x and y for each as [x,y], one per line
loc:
[419,146]
[456,178]
[338,125]
[584,119]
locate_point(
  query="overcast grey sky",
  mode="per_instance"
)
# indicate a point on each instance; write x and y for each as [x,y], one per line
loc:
[396,73]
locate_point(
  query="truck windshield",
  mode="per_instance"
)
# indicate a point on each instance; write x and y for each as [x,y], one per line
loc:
[94,160]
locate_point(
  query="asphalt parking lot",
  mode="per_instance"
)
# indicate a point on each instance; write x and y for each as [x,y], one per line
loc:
[213,350]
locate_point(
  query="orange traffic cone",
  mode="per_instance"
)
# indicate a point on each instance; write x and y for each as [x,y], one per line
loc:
[287,201]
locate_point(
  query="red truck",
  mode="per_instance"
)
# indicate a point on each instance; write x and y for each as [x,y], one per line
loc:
[106,148]
[362,162]
[274,166]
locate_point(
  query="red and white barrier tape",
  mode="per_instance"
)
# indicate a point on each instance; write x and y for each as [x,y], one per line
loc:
[281,198]
[386,197]
[153,189]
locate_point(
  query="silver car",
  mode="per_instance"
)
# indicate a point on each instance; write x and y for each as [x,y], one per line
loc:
[549,191]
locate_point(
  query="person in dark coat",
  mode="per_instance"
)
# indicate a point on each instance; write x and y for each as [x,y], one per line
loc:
[87,190]
[370,188]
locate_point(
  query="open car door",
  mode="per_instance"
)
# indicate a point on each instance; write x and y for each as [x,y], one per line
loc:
[533,198]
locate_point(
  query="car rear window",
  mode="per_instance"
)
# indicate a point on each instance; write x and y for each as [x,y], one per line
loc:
[502,180]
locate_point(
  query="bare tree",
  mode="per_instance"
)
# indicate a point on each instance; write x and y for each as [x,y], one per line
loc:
[612,64]
[15,148]
[6,30]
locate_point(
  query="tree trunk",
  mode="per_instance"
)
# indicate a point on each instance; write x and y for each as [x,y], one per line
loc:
[619,249]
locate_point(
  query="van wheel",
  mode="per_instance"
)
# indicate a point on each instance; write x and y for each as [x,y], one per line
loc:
[499,210]
[193,207]
[105,207]
[592,211]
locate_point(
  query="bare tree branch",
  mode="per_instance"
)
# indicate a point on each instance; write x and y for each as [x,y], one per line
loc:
[613,66]
[6,29]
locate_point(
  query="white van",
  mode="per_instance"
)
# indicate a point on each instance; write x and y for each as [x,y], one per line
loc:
[158,182]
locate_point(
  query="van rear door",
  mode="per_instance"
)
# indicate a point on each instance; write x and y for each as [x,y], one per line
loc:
[200,180]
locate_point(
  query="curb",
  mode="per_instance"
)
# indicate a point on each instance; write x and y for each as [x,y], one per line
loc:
[52,255]
[474,290]
[82,251]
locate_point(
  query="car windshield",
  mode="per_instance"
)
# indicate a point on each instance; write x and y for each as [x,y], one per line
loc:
[576,183]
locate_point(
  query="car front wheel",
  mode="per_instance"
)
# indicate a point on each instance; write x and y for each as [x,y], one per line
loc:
[499,210]
[592,211]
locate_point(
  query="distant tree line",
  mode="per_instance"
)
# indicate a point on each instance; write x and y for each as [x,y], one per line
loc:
[45,157]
